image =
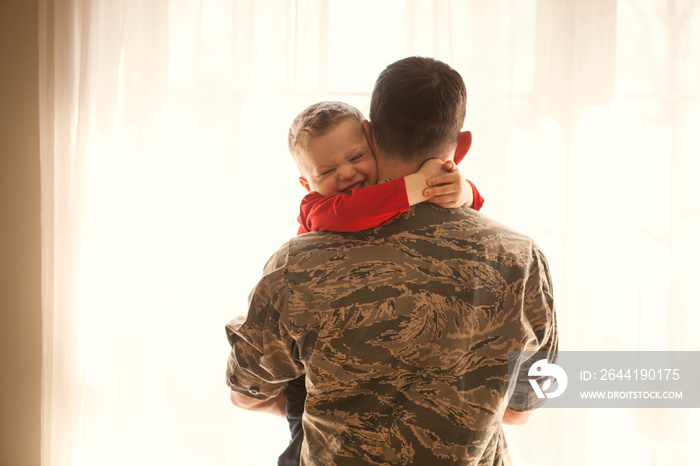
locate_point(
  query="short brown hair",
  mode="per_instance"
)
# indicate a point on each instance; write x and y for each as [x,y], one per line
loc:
[418,108]
[317,120]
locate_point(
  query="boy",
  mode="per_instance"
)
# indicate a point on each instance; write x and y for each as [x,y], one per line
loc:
[331,149]
[338,169]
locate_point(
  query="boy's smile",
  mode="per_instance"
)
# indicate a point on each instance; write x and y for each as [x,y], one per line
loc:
[339,161]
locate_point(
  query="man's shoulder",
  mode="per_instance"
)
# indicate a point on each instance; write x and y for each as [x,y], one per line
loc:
[308,245]
[484,229]
[318,245]
[422,219]
[462,222]
[426,223]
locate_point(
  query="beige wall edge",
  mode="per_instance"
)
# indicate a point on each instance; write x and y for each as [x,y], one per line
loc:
[20,235]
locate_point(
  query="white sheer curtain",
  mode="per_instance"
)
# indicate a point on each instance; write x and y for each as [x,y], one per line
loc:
[167,185]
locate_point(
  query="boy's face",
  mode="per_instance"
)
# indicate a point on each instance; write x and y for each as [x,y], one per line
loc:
[339,161]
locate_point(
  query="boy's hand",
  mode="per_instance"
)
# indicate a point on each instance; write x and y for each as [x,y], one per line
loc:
[416,183]
[433,168]
[449,189]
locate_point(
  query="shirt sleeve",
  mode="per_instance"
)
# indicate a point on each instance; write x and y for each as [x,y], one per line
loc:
[264,357]
[539,315]
[478,199]
[363,209]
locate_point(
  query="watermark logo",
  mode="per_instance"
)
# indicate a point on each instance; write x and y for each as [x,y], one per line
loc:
[605,379]
[542,368]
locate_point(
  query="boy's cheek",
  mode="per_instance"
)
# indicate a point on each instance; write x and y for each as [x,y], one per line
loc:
[323,189]
[371,172]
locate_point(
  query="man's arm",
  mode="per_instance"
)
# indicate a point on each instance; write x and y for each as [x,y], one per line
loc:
[263,355]
[538,312]
[273,405]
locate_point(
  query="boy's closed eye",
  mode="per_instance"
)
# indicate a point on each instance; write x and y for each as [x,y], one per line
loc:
[329,171]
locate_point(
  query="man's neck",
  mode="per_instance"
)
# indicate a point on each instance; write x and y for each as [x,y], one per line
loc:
[390,168]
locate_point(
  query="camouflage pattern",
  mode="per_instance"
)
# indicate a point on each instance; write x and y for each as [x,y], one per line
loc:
[403,332]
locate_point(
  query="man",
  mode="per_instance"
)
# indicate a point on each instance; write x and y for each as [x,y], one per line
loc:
[403,331]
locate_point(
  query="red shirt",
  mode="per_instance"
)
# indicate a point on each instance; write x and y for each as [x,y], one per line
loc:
[363,209]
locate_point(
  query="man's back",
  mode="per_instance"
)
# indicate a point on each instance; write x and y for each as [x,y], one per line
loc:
[404,332]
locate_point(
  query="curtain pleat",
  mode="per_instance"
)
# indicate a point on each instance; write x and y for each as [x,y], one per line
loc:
[167,184]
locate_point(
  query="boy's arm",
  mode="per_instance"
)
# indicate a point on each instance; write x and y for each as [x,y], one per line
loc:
[368,207]
[363,209]
[477,199]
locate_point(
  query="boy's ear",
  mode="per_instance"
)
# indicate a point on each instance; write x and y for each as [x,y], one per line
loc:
[367,127]
[463,145]
[305,184]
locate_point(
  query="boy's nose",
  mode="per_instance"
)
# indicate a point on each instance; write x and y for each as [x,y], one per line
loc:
[346,172]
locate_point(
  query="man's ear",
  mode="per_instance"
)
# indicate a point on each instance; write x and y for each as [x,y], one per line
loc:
[305,183]
[369,134]
[463,144]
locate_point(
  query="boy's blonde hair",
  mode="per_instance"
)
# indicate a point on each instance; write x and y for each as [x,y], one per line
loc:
[317,120]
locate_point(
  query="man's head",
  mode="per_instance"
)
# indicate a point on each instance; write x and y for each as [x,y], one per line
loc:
[329,147]
[417,110]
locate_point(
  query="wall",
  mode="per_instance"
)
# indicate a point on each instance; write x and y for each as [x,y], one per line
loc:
[20,236]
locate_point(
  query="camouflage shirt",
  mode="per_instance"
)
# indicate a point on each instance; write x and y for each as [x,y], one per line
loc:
[403,333]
